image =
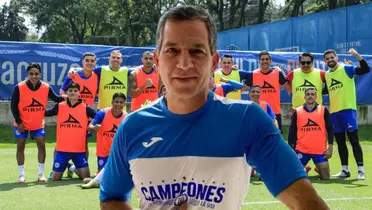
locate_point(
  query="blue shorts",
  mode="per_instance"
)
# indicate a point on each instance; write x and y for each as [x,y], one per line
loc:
[62,158]
[33,134]
[305,158]
[344,121]
[101,162]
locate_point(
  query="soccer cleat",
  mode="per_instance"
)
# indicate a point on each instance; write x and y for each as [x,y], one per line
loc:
[342,174]
[307,168]
[91,184]
[21,179]
[360,176]
[87,180]
[41,178]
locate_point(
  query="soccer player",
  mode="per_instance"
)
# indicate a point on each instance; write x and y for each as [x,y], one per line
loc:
[163,90]
[182,153]
[224,88]
[270,80]
[105,123]
[144,82]
[303,78]
[28,104]
[72,122]
[308,133]
[255,95]
[342,97]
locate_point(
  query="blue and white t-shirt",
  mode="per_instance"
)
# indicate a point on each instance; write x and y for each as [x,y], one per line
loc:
[204,154]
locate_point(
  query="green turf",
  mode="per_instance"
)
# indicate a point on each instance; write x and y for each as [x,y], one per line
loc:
[67,194]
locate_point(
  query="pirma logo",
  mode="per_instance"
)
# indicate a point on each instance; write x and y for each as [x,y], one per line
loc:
[310,126]
[35,106]
[115,84]
[71,122]
[335,85]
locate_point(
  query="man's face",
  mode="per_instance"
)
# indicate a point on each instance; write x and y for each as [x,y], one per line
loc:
[310,96]
[34,75]
[118,103]
[331,60]
[255,93]
[185,62]
[265,61]
[73,93]
[227,63]
[306,64]
[115,59]
[147,60]
[89,62]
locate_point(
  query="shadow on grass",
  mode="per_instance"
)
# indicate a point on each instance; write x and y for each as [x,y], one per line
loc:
[348,183]
[50,183]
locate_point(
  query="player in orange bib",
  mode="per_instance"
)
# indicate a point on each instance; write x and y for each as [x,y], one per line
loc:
[308,132]
[105,123]
[224,89]
[144,82]
[28,105]
[72,124]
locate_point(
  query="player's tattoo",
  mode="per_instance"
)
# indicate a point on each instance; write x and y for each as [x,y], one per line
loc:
[132,81]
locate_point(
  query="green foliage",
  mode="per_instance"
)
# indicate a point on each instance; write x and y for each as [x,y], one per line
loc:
[12,27]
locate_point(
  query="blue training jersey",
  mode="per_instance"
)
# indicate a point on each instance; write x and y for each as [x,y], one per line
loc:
[204,154]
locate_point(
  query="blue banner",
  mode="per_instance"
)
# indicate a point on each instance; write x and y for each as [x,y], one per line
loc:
[57,59]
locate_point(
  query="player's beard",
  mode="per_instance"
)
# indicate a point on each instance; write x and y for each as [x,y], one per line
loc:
[331,64]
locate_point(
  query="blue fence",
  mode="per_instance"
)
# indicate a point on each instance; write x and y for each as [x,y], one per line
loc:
[57,59]
[340,29]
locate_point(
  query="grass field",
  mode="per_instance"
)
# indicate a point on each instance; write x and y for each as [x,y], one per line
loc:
[339,194]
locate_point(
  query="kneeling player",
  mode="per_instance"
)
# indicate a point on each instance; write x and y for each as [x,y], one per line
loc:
[105,123]
[72,123]
[308,134]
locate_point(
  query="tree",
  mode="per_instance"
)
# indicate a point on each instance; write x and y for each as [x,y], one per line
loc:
[12,26]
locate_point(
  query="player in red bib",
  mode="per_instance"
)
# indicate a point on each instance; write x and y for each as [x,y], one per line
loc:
[72,122]
[28,105]
[308,132]
[105,123]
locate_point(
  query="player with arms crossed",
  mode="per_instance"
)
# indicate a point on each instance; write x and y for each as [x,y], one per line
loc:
[308,132]
[105,123]
[167,150]
[72,124]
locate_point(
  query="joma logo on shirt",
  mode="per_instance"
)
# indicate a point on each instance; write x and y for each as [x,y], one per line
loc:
[71,122]
[196,192]
[115,84]
[335,85]
[310,126]
[35,106]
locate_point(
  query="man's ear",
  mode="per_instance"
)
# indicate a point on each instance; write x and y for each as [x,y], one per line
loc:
[215,59]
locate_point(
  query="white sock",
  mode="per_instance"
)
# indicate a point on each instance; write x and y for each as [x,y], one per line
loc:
[21,169]
[41,168]
[72,168]
[345,168]
[361,168]
[99,176]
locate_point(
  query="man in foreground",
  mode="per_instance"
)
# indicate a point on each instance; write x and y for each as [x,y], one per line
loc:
[177,154]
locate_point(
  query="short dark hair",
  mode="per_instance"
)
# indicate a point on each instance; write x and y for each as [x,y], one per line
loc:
[306,54]
[147,53]
[264,52]
[119,95]
[183,13]
[72,85]
[308,89]
[162,88]
[328,52]
[34,65]
[89,54]
[255,86]
[227,56]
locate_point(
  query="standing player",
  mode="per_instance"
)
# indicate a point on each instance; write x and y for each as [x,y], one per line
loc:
[342,96]
[255,96]
[310,126]
[168,161]
[72,122]
[144,82]
[224,88]
[105,123]
[28,103]
[303,78]
[270,80]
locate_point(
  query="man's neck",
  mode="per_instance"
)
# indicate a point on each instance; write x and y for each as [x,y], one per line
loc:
[115,68]
[256,101]
[87,73]
[186,106]
[226,72]
[306,72]
[147,69]
[116,112]
[310,106]
[73,102]
[265,70]
[335,68]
